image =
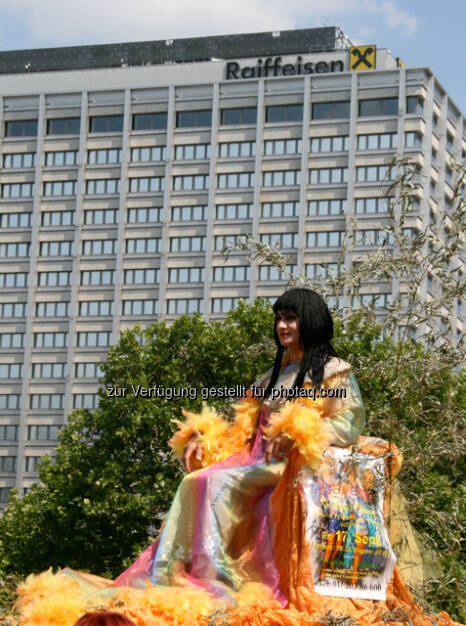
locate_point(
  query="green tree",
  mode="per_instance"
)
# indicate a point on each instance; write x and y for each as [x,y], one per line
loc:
[114,476]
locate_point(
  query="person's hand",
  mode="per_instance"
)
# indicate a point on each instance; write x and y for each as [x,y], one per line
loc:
[279,448]
[192,454]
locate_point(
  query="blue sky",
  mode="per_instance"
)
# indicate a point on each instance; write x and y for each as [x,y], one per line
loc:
[421,32]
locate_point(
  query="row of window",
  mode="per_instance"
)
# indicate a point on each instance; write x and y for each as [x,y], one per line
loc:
[234,149]
[35,432]
[203,118]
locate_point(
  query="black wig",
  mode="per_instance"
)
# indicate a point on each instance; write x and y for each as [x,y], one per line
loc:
[315,334]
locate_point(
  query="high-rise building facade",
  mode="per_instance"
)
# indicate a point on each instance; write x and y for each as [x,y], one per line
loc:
[126,168]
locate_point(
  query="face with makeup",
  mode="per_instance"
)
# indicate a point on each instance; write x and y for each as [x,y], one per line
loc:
[287,326]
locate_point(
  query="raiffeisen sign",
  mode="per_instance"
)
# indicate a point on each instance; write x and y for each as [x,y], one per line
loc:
[276,66]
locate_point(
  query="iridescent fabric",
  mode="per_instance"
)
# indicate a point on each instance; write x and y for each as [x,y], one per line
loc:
[223,528]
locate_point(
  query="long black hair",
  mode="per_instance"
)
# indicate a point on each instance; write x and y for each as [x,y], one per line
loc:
[315,334]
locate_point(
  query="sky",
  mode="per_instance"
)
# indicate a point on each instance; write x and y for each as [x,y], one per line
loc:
[422,32]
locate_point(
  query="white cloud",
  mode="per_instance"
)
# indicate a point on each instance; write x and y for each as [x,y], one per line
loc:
[66,22]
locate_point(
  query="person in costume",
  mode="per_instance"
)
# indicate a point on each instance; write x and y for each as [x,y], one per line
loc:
[222,530]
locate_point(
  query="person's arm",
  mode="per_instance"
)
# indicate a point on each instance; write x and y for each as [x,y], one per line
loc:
[344,417]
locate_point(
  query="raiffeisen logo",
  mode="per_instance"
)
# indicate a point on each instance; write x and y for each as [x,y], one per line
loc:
[274,67]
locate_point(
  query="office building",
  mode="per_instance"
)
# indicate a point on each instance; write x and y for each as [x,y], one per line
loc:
[126,168]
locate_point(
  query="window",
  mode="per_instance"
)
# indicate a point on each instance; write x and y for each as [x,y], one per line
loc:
[32,464]
[50,340]
[19,160]
[377,300]
[378,106]
[327,176]
[197,212]
[98,217]
[235,180]
[369,206]
[380,141]
[96,307]
[11,370]
[373,173]
[326,207]
[187,244]
[7,464]
[448,176]
[97,277]
[5,494]
[434,156]
[11,340]
[12,309]
[21,128]
[224,305]
[64,126]
[192,151]
[373,237]
[148,276]
[146,184]
[60,188]
[192,119]
[319,271]
[179,306]
[234,211]
[450,140]
[269,272]
[435,120]
[46,400]
[17,190]
[103,186]
[85,400]
[339,143]
[331,110]
[57,218]
[106,124]
[104,155]
[52,309]
[88,370]
[56,248]
[99,246]
[62,158]
[284,113]
[244,115]
[15,249]
[54,279]
[149,154]
[140,307]
[228,241]
[14,279]
[8,433]
[325,239]
[234,149]
[101,339]
[151,215]
[280,209]
[186,275]
[15,220]
[144,245]
[280,178]
[281,240]
[190,183]
[48,370]
[11,401]
[414,104]
[413,140]
[150,121]
[228,274]
[42,432]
